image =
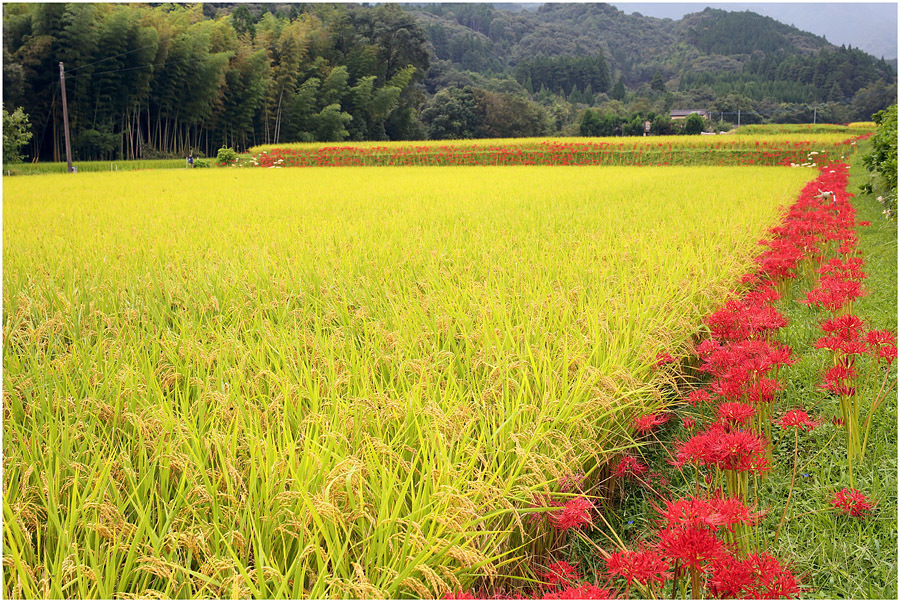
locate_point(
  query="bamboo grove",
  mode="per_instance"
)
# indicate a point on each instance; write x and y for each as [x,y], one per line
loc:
[148,80]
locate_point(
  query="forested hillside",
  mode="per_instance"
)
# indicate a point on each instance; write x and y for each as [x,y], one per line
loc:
[162,80]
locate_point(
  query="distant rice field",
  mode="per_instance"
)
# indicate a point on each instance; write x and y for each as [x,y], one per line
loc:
[338,383]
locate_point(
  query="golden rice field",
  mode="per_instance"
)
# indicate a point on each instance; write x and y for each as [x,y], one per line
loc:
[337,382]
[784,135]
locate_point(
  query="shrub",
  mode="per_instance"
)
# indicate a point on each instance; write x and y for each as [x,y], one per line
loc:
[883,158]
[693,125]
[16,134]
[226,155]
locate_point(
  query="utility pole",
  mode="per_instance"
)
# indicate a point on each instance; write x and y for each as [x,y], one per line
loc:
[739,118]
[62,85]
[815,110]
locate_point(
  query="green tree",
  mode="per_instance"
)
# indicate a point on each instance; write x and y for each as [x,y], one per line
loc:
[618,91]
[657,83]
[331,124]
[16,134]
[694,124]
[452,114]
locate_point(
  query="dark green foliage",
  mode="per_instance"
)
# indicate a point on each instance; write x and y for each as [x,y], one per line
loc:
[16,134]
[148,80]
[693,124]
[882,160]
[507,116]
[618,91]
[565,73]
[657,83]
[452,114]
[225,155]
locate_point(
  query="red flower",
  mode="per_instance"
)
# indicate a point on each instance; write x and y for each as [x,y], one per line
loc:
[847,327]
[642,566]
[585,591]
[797,419]
[879,338]
[888,353]
[645,424]
[851,502]
[629,465]
[735,413]
[688,423]
[763,391]
[560,573]
[690,547]
[663,358]
[839,380]
[575,514]
[755,576]
[698,396]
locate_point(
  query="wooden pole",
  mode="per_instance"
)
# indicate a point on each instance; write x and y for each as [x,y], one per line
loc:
[62,85]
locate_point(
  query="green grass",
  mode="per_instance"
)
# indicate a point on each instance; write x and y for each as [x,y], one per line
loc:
[843,557]
[32,169]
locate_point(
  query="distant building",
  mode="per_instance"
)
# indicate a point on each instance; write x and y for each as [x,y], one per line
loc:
[683,114]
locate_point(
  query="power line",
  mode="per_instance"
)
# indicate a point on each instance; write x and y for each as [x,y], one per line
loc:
[132,68]
[117,55]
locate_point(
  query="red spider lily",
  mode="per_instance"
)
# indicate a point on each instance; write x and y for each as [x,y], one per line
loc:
[710,513]
[848,270]
[585,591]
[850,348]
[574,515]
[851,502]
[797,419]
[690,547]
[663,358]
[879,338]
[839,380]
[741,451]
[847,327]
[645,424]
[887,353]
[560,573]
[643,565]
[708,346]
[763,391]
[730,389]
[754,576]
[735,413]
[834,293]
[688,423]
[629,465]
[698,396]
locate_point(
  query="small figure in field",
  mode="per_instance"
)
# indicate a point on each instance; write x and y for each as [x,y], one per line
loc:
[827,195]
[191,159]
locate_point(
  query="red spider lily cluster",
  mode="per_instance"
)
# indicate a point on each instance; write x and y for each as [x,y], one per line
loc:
[840,282]
[695,542]
[851,502]
[735,151]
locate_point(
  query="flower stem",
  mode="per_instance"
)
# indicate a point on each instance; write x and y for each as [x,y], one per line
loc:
[791,490]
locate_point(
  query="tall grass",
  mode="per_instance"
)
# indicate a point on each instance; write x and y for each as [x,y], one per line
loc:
[30,169]
[337,383]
